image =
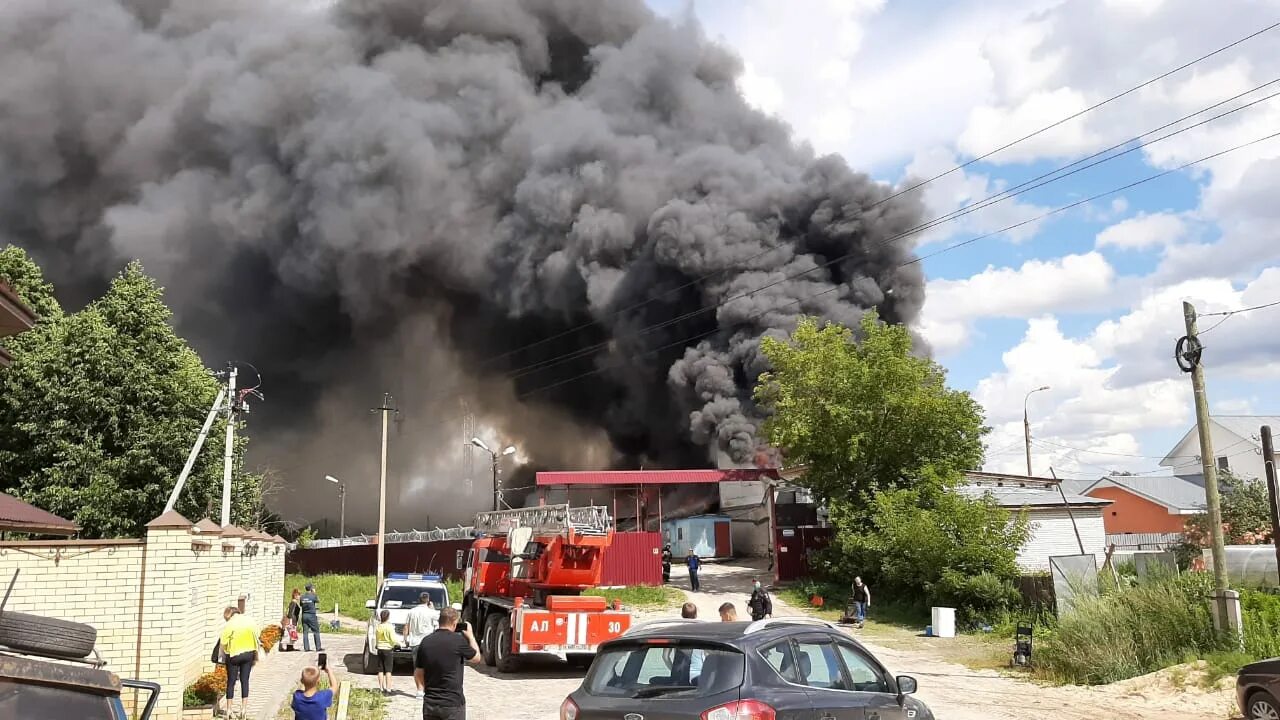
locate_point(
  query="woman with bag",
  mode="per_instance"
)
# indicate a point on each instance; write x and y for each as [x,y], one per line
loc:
[240,650]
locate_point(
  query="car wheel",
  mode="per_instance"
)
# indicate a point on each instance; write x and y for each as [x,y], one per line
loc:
[1262,706]
[47,636]
[505,659]
[489,641]
[366,661]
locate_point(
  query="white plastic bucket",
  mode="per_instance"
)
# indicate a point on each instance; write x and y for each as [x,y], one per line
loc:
[944,622]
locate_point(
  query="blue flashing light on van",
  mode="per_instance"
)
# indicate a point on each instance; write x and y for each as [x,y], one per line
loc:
[413,576]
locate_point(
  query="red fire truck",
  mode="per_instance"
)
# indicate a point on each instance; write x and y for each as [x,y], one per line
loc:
[523,582]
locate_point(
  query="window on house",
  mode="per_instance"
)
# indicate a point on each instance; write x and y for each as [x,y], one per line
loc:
[1223,464]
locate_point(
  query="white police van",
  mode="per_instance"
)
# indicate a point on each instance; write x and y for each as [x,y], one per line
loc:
[400,593]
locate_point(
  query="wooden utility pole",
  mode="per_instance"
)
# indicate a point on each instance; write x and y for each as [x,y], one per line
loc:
[1269,465]
[386,409]
[1208,463]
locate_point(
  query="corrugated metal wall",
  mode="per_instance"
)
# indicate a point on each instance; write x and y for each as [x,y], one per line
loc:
[439,557]
[635,558]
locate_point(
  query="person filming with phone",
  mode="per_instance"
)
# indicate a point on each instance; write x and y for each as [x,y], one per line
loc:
[438,667]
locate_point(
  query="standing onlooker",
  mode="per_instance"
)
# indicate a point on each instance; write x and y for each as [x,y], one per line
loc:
[289,624]
[310,605]
[438,664]
[423,620]
[294,612]
[310,703]
[240,645]
[760,604]
[728,613]
[666,563]
[689,611]
[861,601]
[693,562]
[385,642]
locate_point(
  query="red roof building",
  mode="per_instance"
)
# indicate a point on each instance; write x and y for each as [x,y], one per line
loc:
[17,516]
[15,317]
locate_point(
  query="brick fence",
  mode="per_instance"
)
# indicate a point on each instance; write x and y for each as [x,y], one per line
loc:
[157,601]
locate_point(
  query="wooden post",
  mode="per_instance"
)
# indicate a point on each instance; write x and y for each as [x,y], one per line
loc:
[1208,463]
[1269,466]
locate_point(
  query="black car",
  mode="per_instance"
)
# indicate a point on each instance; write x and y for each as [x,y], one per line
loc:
[774,669]
[1257,687]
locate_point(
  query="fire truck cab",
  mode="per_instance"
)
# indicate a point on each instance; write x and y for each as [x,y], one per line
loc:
[523,583]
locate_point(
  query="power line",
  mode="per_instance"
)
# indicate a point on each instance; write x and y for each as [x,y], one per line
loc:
[897,194]
[1024,187]
[949,248]
[1228,314]
[1241,310]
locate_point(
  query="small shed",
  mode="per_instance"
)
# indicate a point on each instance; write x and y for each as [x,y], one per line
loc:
[707,536]
[1059,526]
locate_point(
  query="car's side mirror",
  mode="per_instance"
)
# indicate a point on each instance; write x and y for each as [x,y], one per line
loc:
[370,604]
[906,686]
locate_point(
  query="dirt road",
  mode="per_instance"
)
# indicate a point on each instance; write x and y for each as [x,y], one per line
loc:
[955,692]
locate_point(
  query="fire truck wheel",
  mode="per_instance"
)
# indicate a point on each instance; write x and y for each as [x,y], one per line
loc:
[506,660]
[489,640]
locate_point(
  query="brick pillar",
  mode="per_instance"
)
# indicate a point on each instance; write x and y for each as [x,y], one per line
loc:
[167,622]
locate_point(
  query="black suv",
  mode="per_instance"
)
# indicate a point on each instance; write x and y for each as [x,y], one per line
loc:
[775,669]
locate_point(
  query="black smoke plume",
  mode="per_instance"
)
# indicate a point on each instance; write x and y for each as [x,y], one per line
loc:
[403,194]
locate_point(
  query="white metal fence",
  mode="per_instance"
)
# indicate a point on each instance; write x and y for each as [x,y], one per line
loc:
[454,533]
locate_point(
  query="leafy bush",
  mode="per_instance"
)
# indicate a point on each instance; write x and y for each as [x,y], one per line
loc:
[984,597]
[906,541]
[206,689]
[1261,616]
[306,537]
[269,636]
[1131,631]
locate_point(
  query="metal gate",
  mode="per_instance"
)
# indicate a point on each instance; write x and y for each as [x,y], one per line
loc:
[634,558]
[795,546]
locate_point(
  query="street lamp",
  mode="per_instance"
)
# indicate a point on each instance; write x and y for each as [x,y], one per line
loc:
[342,517]
[493,457]
[1026,425]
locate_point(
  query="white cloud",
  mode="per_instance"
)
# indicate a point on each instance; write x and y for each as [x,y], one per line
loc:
[1035,288]
[1143,231]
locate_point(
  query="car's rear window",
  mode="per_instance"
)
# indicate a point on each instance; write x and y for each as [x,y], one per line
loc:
[406,596]
[653,670]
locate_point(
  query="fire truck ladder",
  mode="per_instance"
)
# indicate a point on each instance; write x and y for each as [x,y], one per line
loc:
[592,520]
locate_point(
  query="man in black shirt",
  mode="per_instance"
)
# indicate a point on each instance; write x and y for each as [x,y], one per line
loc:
[438,668]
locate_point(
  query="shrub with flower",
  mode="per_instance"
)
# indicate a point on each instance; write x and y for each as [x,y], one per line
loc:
[206,689]
[269,637]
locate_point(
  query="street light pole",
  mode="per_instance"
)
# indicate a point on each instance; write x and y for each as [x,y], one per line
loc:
[1026,425]
[342,512]
[386,409]
[493,459]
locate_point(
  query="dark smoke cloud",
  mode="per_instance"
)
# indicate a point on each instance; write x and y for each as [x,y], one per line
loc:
[384,194]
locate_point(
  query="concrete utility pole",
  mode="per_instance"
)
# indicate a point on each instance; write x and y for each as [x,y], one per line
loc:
[342,511]
[1026,425]
[1269,466]
[386,409]
[228,457]
[1207,462]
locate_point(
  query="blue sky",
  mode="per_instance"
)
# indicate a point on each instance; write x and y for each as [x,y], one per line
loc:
[1089,300]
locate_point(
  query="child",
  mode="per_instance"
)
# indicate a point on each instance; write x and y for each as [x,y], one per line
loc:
[385,641]
[310,703]
[288,634]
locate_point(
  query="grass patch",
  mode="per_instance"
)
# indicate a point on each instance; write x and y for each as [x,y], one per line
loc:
[349,591]
[642,597]
[1129,631]
[364,704]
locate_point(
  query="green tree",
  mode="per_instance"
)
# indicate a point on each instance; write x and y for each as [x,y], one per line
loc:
[99,410]
[20,272]
[865,416]
[1246,514]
